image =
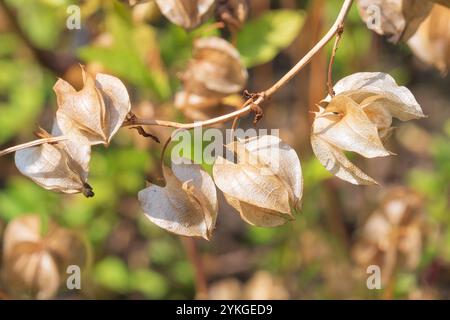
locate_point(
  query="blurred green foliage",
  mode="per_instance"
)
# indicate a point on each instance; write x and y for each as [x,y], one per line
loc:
[18,110]
[127,56]
[261,39]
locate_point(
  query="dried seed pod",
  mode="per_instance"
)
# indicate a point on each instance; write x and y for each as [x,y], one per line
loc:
[34,263]
[265,185]
[232,12]
[77,146]
[188,14]
[187,205]
[395,228]
[57,167]
[97,110]
[31,271]
[398,19]
[215,70]
[357,119]
[431,43]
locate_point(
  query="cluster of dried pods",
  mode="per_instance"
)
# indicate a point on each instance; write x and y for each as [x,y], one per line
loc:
[265,191]
[190,14]
[423,24]
[84,118]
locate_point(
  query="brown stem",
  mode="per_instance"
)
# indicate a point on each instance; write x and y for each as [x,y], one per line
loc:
[57,63]
[33,143]
[335,213]
[166,144]
[263,96]
[201,285]
[233,127]
[333,54]
[251,103]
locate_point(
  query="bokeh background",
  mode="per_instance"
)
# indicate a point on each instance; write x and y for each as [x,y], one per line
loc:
[323,254]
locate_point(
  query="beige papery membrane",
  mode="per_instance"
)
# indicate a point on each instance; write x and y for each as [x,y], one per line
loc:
[396,228]
[188,14]
[33,263]
[187,205]
[61,167]
[398,19]
[214,72]
[97,110]
[85,118]
[265,183]
[431,42]
[358,119]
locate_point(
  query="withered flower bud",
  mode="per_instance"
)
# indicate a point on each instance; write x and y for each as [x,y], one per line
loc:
[215,70]
[233,13]
[188,14]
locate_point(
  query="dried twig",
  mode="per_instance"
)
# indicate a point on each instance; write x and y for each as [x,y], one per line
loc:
[248,106]
[33,144]
[333,54]
[145,134]
[201,284]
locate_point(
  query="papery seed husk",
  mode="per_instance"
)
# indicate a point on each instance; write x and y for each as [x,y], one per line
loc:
[51,167]
[348,128]
[188,14]
[216,69]
[97,110]
[187,205]
[265,184]
[335,161]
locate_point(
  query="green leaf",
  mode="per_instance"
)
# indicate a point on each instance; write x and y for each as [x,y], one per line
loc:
[112,273]
[19,110]
[263,38]
[149,283]
[46,15]
[128,54]
[24,196]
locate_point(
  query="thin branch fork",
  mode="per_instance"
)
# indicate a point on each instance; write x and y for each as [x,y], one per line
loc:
[339,33]
[335,30]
